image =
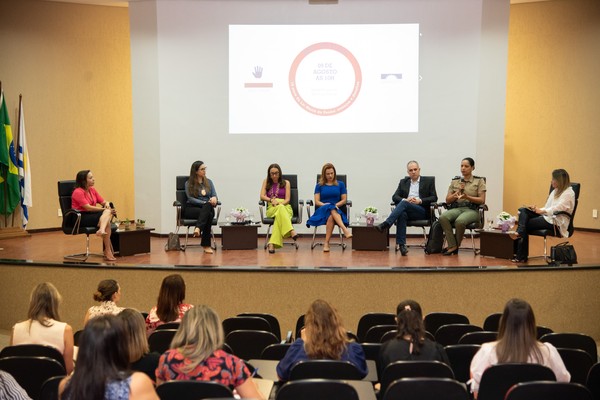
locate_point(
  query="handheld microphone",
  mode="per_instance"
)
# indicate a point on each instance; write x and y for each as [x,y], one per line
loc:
[112,207]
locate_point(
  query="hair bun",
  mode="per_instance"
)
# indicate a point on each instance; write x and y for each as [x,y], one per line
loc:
[97,296]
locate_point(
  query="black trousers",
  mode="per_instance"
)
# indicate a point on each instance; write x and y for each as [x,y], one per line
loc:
[528,221]
[204,215]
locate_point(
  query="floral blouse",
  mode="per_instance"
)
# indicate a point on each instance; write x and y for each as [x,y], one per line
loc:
[152,320]
[219,367]
[105,307]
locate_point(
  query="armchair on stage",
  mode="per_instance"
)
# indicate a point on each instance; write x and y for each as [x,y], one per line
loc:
[183,219]
[296,204]
[345,209]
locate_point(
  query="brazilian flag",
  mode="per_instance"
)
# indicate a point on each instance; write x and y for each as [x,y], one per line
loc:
[10,195]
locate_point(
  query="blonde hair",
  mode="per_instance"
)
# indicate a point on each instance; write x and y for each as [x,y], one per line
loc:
[563,181]
[198,336]
[43,304]
[135,327]
[326,338]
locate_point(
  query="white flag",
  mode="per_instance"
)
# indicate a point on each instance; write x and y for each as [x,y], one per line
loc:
[24,168]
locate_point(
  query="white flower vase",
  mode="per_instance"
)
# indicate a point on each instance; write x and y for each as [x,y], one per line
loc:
[370,220]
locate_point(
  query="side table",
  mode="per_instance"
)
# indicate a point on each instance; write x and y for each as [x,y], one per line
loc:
[367,237]
[495,243]
[239,237]
[129,242]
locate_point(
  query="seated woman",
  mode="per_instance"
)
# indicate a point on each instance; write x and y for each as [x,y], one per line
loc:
[201,202]
[103,366]
[517,343]
[108,294]
[196,354]
[170,306]
[43,325]
[95,211]
[410,343]
[562,198]
[465,194]
[140,358]
[275,192]
[330,195]
[323,337]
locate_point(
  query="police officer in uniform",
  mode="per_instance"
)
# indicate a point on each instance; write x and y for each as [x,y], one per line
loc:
[465,194]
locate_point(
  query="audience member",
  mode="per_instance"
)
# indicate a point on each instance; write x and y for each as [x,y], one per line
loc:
[330,195]
[275,191]
[196,354]
[43,325]
[108,294]
[323,337]
[102,371]
[95,211]
[140,358]
[517,343]
[10,388]
[201,202]
[465,194]
[170,306]
[562,198]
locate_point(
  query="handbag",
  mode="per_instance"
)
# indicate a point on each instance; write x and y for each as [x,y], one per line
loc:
[173,242]
[563,253]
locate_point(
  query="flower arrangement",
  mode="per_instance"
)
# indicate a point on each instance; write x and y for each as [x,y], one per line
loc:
[140,224]
[505,221]
[240,214]
[370,214]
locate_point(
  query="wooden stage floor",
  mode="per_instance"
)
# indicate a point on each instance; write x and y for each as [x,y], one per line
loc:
[52,246]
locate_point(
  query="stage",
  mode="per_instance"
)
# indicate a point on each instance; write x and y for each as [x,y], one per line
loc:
[234,281]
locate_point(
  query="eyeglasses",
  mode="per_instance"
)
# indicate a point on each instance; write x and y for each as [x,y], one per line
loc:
[274,173]
[203,169]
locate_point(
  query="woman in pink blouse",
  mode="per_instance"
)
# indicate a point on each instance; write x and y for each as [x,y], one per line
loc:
[170,306]
[95,211]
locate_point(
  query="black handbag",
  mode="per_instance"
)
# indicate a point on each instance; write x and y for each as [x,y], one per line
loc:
[563,253]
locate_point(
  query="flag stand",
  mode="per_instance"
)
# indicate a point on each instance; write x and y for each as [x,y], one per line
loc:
[13,232]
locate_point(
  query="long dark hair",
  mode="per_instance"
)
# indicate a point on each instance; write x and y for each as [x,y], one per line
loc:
[171,294]
[517,334]
[270,180]
[81,179]
[103,357]
[410,323]
[106,289]
[193,184]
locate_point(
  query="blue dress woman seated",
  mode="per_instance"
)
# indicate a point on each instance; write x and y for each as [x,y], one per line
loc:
[330,195]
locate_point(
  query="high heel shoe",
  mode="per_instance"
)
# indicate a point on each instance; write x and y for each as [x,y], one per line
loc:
[271,249]
[450,253]
[295,237]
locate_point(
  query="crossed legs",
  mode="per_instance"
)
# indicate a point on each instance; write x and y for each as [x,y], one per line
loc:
[334,219]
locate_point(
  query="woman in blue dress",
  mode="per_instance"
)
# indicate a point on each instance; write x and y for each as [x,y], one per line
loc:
[330,195]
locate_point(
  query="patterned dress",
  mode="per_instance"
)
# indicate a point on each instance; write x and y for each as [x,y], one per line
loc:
[219,367]
[105,307]
[152,320]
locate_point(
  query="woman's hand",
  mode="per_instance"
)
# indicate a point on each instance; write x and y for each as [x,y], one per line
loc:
[273,201]
[213,201]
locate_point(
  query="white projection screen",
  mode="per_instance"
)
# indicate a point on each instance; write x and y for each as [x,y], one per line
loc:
[359,78]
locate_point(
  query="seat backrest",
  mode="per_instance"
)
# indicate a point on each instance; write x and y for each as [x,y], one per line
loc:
[497,379]
[65,190]
[573,341]
[192,390]
[159,341]
[426,389]
[542,330]
[389,335]
[413,369]
[436,319]
[492,322]
[451,333]
[294,200]
[270,318]
[371,319]
[245,323]
[168,325]
[548,391]
[576,186]
[324,369]
[49,390]
[375,333]
[460,356]
[180,195]
[478,337]
[249,344]
[33,350]
[299,326]
[317,389]
[31,372]
[275,351]
[593,381]
[577,362]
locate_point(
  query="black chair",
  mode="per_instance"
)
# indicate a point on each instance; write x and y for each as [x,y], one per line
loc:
[345,209]
[555,232]
[371,351]
[49,390]
[32,372]
[451,333]
[548,391]
[492,322]
[270,318]
[275,351]
[371,319]
[71,221]
[578,363]
[245,323]
[249,344]
[421,223]
[413,369]
[593,381]
[77,336]
[478,337]
[295,202]
[542,330]
[299,326]
[159,341]
[33,350]
[375,333]
[182,214]
[389,335]
[573,341]
[317,389]
[226,348]
[192,390]
[168,325]
[460,356]
[436,319]
[324,369]
[497,379]
[426,389]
